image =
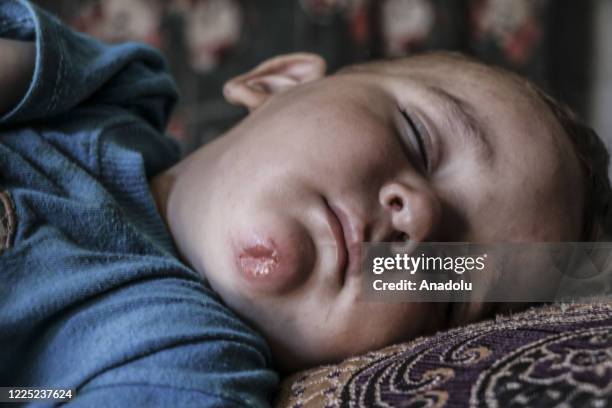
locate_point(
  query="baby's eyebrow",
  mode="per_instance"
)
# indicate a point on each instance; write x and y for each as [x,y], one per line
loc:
[461,116]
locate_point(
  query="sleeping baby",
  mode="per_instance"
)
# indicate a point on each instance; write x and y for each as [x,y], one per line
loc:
[137,278]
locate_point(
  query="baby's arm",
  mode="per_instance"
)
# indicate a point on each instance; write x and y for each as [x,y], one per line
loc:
[71,70]
[16,71]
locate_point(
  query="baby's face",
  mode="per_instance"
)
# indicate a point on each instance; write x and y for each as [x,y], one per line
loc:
[274,211]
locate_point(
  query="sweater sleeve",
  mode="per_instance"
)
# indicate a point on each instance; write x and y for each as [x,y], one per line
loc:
[72,69]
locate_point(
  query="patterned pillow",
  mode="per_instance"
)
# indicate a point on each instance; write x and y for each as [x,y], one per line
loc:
[547,356]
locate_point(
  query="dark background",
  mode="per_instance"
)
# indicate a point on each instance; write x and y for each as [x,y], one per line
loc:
[553,42]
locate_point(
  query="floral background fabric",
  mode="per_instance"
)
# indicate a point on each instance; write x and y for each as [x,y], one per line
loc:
[209,41]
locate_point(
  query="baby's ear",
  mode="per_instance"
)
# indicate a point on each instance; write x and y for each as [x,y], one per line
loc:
[272,76]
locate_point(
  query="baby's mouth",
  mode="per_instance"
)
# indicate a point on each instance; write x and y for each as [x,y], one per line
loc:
[342,254]
[349,243]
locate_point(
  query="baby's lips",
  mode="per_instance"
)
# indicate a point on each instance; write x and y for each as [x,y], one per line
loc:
[272,264]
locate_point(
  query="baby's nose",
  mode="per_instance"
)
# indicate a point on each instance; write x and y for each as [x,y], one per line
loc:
[413,212]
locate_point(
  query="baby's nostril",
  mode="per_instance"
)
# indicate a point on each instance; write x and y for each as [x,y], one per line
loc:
[400,236]
[396,203]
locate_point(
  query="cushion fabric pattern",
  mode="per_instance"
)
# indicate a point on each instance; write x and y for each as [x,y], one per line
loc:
[558,355]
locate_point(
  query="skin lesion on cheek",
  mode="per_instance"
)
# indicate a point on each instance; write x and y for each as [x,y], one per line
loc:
[258,261]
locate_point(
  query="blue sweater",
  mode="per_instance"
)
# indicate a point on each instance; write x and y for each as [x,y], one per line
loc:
[92,294]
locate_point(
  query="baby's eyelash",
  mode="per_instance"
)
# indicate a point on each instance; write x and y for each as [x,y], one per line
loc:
[418,136]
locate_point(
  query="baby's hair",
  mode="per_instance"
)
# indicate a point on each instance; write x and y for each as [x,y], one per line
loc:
[592,155]
[594,160]
[588,146]
[591,151]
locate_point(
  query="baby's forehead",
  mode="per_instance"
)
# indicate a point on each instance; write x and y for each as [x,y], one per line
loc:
[447,68]
[466,77]
[510,105]
[413,64]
